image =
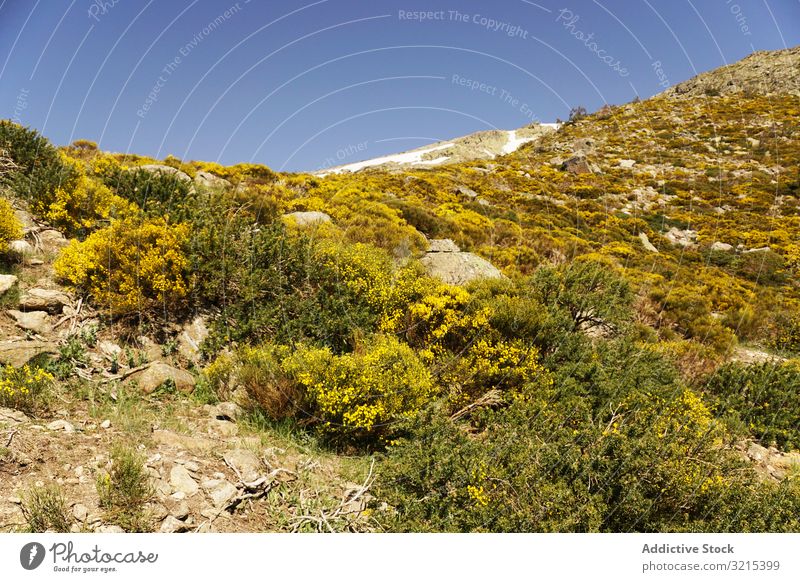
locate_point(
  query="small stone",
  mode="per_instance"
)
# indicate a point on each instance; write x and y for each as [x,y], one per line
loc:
[106,424]
[182,481]
[35,321]
[110,529]
[721,247]
[6,283]
[223,494]
[191,466]
[80,512]
[15,500]
[180,511]
[172,525]
[61,425]
[44,300]
[245,463]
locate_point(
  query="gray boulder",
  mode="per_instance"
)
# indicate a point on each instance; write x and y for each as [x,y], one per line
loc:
[459,268]
[6,283]
[209,180]
[308,218]
[35,321]
[19,353]
[162,169]
[157,373]
[48,300]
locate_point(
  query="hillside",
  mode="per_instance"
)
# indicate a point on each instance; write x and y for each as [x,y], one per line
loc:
[596,329]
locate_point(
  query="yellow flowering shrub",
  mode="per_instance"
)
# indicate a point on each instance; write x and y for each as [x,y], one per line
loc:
[434,317]
[495,365]
[85,205]
[364,392]
[129,266]
[10,228]
[23,388]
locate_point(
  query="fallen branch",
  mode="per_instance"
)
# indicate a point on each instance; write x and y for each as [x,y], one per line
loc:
[490,399]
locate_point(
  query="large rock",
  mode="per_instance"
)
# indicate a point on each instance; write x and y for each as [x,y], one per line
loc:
[191,338]
[162,169]
[444,245]
[6,283]
[48,300]
[245,463]
[51,240]
[19,353]
[182,481]
[35,321]
[307,218]
[21,247]
[577,165]
[157,373]
[11,417]
[459,268]
[209,180]
[683,238]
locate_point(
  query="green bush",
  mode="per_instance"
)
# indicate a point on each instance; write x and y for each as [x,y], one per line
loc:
[45,510]
[764,398]
[362,394]
[42,169]
[125,490]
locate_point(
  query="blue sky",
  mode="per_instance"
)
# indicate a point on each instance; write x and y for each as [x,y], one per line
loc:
[302,84]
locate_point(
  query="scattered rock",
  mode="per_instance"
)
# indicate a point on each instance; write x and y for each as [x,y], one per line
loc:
[61,425]
[20,353]
[191,338]
[627,164]
[468,192]
[721,247]
[182,481]
[577,165]
[157,373]
[245,463]
[109,529]
[44,300]
[80,512]
[11,417]
[758,250]
[227,411]
[209,180]
[180,511]
[109,349]
[646,243]
[220,491]
[6,283]
[51,241]
[443,246]
[459,268]
[684,238]
[162,169]
[106,424]
[20,247]
[35,321]
[308,218]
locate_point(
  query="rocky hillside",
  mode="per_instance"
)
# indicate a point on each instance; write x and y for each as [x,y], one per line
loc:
[594,328]
[484,145]
[763,72]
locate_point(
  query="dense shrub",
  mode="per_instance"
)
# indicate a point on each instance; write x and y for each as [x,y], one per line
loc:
[10,228]
[131,266]
[42,169]
[362,394]
[157,194]
[24,388]
[125,490]
[764,398]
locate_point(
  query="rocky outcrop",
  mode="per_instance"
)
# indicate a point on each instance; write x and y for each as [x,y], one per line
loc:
[763,72]
[307,218]
[156,374]
[209,180]
[162,169]
[49,300]
[35,321]
[191,338]
[683,238]
[6,283]
[447,262]
[19,353]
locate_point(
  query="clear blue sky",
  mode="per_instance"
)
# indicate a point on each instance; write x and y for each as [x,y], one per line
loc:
[299,84]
